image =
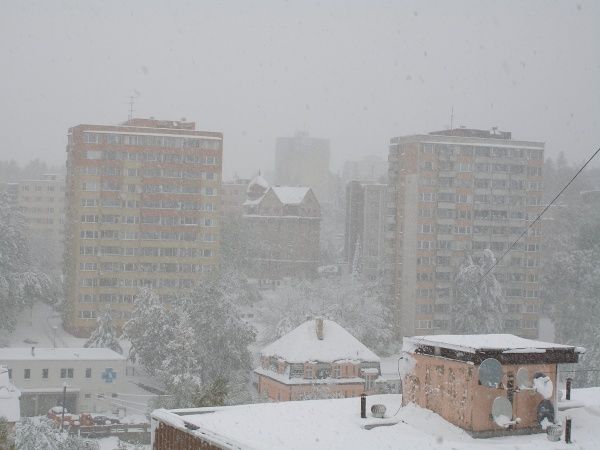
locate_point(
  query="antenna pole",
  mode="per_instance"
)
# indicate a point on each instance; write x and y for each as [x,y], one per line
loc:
[131,103]
[452,118]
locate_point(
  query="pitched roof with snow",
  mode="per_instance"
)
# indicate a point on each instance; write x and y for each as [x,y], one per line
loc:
[258,181]
[473,343]
[302,344]
[72,354]
[290,195]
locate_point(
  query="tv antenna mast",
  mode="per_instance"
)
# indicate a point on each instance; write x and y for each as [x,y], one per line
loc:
[131,103]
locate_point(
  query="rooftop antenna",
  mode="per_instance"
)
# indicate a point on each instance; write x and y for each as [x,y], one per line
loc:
[131,103]
[452,118]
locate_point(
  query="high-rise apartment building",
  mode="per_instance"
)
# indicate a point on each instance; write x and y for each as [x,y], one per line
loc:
[42,203]
[303,160]
[366,209]
[143,204]
[455,193]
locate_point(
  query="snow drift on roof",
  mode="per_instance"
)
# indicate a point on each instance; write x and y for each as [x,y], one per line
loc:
[477,342]
[301,345]
[290,195]
[44,354]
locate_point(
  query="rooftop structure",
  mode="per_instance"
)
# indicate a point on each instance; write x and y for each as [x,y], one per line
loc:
[489,384]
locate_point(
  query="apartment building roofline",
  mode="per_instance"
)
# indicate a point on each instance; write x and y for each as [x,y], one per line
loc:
[440,138]
[146,130]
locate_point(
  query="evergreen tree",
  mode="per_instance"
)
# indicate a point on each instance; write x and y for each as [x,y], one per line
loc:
[479,304]
[104,336]
[19,285]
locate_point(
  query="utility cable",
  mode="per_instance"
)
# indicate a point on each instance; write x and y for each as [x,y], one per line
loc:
[539,215]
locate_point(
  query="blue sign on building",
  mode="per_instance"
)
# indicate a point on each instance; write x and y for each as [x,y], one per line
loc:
[109,375]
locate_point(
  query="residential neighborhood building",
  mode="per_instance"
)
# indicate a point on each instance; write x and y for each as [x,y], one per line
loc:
[454,193]
[464,377]
[303,160]
[93,378]
[281,226]
[143,202]
[366,213]
[318,359]
[233,196]
[42,203]
[371,169]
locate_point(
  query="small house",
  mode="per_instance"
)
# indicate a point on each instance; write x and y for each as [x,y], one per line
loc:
[318,359]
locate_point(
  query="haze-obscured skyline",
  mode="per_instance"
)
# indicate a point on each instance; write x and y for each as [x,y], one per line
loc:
[357,73]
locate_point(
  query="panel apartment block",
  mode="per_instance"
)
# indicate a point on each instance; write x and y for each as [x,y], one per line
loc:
[143,204]
[454,193]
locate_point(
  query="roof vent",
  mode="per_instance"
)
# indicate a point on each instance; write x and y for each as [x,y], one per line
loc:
[319,323]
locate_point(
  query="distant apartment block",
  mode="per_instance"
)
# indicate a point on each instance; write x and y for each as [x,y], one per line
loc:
[281,225]
[366,210]
[143,203]
[233,196]
[369,169]
[303,160]
[454,193]
[42,203]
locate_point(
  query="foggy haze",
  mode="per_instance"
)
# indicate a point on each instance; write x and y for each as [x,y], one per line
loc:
[358,73]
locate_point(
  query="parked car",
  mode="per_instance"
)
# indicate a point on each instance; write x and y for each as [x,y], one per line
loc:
[104,420]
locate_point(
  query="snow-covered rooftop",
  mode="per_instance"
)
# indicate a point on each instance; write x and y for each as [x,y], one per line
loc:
[260,181]
[472,343]
[302,345]
[290,195]
[336,424]
[43,354]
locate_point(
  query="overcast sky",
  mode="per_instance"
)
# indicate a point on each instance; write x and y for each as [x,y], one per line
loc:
[357,72]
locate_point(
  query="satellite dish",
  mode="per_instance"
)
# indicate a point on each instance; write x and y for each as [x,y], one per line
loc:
[490,373]
[543,385]
[545,411]
[522,378]
[502,412]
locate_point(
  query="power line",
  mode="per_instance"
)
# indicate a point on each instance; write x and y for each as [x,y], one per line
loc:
[539,215]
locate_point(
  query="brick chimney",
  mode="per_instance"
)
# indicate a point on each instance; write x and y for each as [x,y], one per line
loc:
[319,328]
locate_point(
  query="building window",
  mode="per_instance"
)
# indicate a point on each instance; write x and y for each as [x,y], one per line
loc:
[44,373]
[114,395]
[27,374]
[66,373]
[87,395]
[88,373]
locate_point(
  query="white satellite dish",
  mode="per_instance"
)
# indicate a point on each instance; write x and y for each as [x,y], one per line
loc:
[543,385]
[502,412]
[490,373]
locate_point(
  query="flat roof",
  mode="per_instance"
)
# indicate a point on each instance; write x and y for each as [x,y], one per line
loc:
[59,354]
[472,343]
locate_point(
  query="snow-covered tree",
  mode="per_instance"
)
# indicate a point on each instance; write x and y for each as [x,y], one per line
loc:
[41,434]
[191,343]
[479,305]
[354,303]
[104,336]
[19,285]
[571,284]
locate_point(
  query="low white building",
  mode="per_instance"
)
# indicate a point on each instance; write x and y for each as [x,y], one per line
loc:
[9,404]
[93,376]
